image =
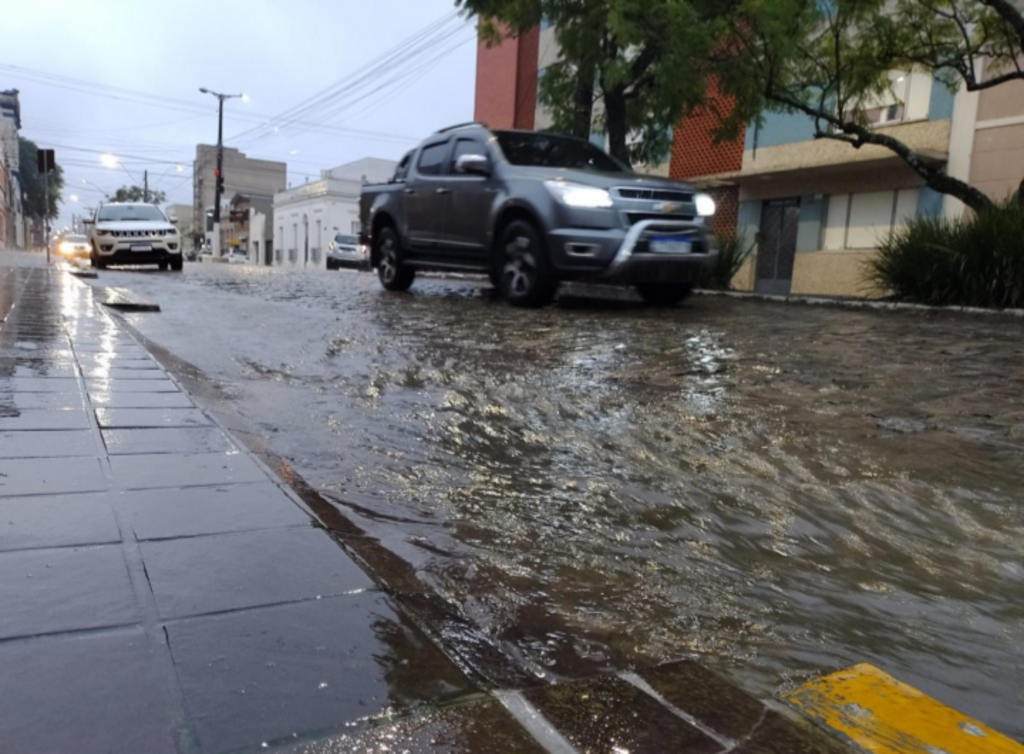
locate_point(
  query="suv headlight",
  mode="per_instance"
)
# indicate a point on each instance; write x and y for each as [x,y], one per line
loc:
[705,205]
[104,232]
[579,195]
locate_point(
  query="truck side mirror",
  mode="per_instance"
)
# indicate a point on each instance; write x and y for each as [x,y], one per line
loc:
[473,164]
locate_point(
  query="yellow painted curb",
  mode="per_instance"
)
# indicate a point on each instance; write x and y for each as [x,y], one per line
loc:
[878,713]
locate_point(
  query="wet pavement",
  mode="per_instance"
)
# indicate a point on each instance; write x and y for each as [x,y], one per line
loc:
[775,490]
[160,590]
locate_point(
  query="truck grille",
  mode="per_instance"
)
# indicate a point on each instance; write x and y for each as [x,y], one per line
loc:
[634,217]
[655,195]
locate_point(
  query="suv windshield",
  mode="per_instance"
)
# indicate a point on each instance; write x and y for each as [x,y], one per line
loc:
[347,240]
[115,212]
[553,151]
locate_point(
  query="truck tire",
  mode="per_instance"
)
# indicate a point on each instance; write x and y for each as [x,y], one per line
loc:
[176,264]
[525,275]
[393,273]
[664,294]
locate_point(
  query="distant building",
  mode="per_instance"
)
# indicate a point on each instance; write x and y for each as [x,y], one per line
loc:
[307,217]
[12,224]
[248,227]
[253,178]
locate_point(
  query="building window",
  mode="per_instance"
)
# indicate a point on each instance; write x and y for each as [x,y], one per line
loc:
[862,221]
[356,227]
[293,255]
[314,255]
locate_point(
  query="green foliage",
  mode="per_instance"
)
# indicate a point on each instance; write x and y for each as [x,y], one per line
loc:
[970,261]
[137,194]
[34,183]
[733,251]
[628,68]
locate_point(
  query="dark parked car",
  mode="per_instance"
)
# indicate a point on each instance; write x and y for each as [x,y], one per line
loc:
[531,210]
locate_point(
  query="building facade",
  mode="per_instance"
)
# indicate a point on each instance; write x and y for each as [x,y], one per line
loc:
[253,178]
[12,224]
[813,210]
[307,217]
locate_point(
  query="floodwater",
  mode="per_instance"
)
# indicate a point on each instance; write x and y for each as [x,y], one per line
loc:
[776,490]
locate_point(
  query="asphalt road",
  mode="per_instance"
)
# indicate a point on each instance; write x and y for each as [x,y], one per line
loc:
[775,489]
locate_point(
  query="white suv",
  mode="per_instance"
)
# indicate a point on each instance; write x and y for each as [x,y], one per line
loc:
[134,233]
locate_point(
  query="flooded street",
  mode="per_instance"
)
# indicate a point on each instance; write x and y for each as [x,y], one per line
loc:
[776,490]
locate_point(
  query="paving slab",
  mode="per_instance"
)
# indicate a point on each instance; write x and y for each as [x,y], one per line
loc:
[97,385]
[263,675]
[39,385]
[38,419]
[94,694]
[142,400]
[50,444]
[38,368]
[109,361]
[149,372]
[171,513]
[165,440]
[140,418]
[609,714]
[171,470]
[43,476]
[68,589]
[233,571]
[49,401]
[57,521]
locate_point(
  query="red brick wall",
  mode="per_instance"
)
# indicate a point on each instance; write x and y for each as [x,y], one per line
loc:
[506,82]
[694,151]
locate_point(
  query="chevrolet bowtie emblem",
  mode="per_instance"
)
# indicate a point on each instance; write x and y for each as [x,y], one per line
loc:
[666,207]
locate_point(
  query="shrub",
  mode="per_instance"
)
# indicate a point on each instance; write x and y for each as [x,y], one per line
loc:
[969,261]
[732,253]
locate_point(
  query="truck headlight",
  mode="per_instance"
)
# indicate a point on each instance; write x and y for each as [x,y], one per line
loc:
[705,205]
[579,195]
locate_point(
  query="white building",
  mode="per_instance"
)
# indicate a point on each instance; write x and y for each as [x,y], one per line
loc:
[307,217]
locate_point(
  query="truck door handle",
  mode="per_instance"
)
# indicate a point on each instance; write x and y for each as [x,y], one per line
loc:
[410,192]
[442,191]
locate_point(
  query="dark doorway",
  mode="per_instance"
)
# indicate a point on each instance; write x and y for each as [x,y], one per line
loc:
[776,251]
[269,253]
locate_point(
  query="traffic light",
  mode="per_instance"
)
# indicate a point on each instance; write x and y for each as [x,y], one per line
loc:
[45,161]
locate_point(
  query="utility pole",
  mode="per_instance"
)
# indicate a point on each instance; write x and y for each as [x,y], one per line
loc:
[45,163]
[218,189]
[145,186]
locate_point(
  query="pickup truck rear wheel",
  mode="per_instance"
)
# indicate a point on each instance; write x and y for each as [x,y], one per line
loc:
[526,277]
[393,273]
[664,294]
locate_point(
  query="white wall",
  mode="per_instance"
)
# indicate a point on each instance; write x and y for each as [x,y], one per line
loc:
[321,217]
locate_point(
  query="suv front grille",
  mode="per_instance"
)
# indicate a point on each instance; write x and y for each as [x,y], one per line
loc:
[138,233]
[634,217]
[655,195]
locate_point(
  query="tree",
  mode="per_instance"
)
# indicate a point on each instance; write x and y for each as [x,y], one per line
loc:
[137,194]
[34,184]
[832,59]
[631,68]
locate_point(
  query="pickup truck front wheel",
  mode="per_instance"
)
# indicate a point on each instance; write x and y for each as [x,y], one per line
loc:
[393,274]
[525,275]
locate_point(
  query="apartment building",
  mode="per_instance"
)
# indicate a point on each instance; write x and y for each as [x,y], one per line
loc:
[813,209]
[253,178]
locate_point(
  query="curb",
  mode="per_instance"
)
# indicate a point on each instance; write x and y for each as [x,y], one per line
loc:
[849,303]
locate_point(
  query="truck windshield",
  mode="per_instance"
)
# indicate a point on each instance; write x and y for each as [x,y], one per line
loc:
[552,151]
[114,212]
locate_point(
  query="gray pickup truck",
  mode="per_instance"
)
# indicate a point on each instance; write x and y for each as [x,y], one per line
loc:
[531,210]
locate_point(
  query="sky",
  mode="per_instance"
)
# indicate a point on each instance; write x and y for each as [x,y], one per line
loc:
[122,78]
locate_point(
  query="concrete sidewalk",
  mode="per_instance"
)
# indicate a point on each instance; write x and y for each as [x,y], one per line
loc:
[160,591]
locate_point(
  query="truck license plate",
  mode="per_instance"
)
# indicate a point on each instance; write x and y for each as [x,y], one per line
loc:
[670,246]
[142,247]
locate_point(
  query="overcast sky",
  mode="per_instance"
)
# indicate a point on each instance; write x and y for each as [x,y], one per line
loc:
[123,77]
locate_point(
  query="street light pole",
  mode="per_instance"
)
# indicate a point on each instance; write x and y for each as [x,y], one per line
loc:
[218,188]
